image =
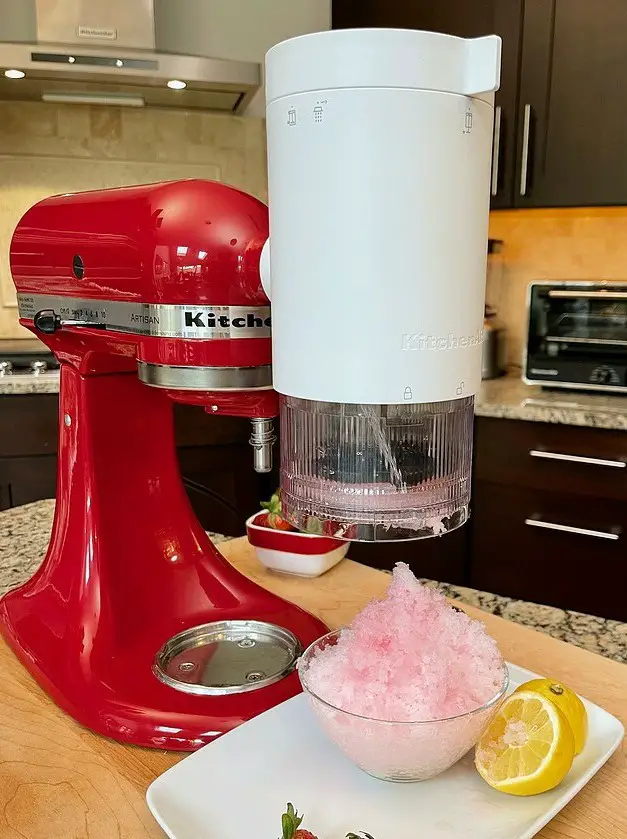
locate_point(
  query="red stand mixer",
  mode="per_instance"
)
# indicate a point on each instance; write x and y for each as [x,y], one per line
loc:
[135,624]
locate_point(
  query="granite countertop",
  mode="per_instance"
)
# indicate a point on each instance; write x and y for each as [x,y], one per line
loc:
[508,397]
[21,384]
[24,534]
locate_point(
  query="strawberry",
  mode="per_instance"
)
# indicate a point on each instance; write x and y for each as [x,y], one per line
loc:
[277,523]
[275,519]
[261,520]
[291,823]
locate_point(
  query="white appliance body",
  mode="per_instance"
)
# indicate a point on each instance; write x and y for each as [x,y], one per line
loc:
[379,203]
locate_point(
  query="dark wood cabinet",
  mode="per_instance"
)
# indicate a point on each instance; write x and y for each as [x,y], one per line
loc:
[444,559]
[28,448]
[560,127]
[550,515]
[27,479]
[221,485]
[466,19]
[551,548]
[574,60]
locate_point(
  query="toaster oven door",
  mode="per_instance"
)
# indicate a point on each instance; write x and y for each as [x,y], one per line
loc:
[578,336]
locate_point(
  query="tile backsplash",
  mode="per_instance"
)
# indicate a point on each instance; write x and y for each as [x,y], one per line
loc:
[47,149]
[559,244]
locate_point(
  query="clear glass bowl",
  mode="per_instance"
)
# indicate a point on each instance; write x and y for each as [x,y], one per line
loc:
[398,751]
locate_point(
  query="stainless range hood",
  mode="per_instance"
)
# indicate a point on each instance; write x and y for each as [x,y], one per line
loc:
[111,52]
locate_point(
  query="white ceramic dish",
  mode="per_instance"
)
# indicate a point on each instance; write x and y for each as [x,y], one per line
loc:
[239,786]
[290,552]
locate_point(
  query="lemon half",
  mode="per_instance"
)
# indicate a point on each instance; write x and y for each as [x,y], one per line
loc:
[569,704]
[529,746]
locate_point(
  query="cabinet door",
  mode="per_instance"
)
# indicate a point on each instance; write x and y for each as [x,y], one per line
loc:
[5,495]
[466,19]
[549,548]
[222,486]
[573,121]
[27,479]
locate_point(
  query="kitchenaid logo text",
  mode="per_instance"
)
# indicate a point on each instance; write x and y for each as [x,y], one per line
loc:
[420,341]
[209,320]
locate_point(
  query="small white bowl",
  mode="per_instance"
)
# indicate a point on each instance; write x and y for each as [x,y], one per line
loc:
[292,552]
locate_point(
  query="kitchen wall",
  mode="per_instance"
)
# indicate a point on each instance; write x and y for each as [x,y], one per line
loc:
[48,149]
[559,244]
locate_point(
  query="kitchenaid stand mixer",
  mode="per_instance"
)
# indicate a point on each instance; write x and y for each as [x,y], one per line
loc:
[379,157]
[129,567]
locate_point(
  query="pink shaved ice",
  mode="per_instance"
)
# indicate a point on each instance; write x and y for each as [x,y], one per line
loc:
[409,657]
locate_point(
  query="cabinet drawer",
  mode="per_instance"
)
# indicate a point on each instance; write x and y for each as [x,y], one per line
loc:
[563,458]
[29,424]
[558,550]
[27,479]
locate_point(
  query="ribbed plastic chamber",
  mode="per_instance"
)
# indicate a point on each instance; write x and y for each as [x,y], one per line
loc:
[376,472]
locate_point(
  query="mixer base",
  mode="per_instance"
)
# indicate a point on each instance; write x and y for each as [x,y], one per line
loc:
[128,568]
[121,697]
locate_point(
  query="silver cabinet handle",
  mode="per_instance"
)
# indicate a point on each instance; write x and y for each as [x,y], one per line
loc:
[496,150]
[575,458]
[608,295]
[578,531]
[524,158]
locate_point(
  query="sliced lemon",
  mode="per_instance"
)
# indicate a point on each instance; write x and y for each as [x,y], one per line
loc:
[569,704]
[528,747]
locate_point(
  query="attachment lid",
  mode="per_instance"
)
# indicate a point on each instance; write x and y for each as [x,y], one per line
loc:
[401,58]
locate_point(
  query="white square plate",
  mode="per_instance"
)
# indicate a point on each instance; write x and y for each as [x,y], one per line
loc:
[239,786]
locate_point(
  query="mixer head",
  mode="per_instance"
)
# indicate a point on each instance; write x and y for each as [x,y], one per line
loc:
[161,279]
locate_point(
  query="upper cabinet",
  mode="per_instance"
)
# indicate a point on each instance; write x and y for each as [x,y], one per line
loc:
[560,129]
[572,114]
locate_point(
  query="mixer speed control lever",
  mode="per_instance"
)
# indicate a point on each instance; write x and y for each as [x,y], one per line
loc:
[48,321]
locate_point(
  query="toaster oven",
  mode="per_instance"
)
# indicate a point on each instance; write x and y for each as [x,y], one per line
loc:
[577,336]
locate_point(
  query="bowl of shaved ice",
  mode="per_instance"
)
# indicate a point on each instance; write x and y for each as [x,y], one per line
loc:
[408,687]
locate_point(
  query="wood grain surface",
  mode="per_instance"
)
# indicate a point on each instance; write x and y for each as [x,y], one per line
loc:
[60,781]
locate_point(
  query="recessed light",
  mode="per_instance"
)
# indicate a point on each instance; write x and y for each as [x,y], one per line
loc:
[14,74]
[71,59]
[119,62]
[177,84]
